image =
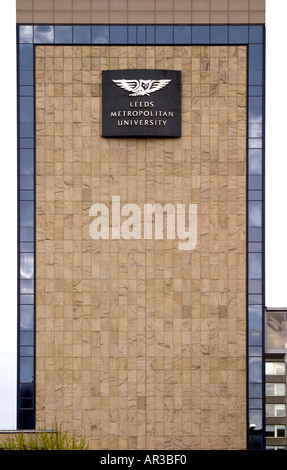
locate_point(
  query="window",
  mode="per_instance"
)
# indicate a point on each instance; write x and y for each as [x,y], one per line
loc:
[275,430]
[275,410]
[275,368]
[275,389]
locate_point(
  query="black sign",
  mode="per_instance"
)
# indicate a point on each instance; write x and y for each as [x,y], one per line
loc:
[141,103]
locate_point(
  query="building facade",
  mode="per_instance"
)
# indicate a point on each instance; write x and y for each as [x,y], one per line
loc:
[142,336]
[276,347]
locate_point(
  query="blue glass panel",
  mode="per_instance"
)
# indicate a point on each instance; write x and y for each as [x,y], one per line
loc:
[255,182]
[26,213]
[26,390]
[26,182]
[254,299]
[255,213]
[25,34]
[43,34]
[255,287]
[27,247]
[141,34]
[26,351]
[255,91]
[200,34]
[255,109]
[26,57]
[100,34]
[132,34]
[25,77]
[150,35]
[255,416]
[238,34]
[26,265]
[26,369]
[118,34]
[255,77]
[26,286]
[255,403]
[27,299]
[26,161]
[26,109]
[255,234]
[219,34]
[182,34]
[255,130]
[255,390]
[63,34]
[164,34]
[255,351]
[81,34]
[26,143]
[255,195]
[255,34]
[255,247]
[26,234]
[255,162]
[26,317]
[26,91]
[255,57]
[254,316]
[255,143]
[255,369]
[255,338]
[26,129]
[254,266]
[27,195]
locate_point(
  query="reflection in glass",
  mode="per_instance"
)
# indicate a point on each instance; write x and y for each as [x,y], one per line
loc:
[26,369]
[43,34]
[26,234]
[26,265]
[254,266]
[255,109]
[100,34]
[26,317]
[25,34]
[255,369]
[255,213]
[254,316]
[255,161]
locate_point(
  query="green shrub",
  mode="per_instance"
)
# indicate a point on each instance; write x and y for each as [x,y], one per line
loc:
[43,440]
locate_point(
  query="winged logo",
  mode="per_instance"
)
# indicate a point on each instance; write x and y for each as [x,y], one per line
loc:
[141,87]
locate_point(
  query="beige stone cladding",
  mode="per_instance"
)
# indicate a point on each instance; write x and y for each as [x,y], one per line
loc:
[140,12]
[140,345]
